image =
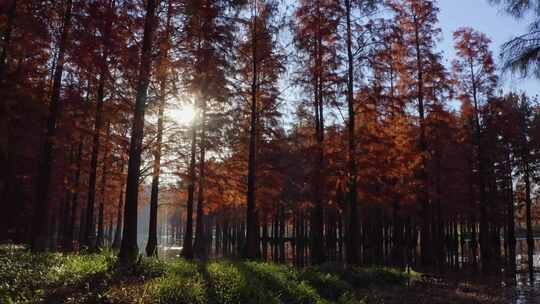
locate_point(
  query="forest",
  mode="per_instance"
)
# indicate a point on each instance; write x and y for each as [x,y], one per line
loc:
[301,142]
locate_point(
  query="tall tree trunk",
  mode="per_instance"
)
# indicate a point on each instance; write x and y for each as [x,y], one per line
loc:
[118,232]
[151,246]
[199,246]
[89,239]
[485,250]
[251,238]
[510,230]
[129,250]
[317,220]
[528,204]
[352,244]
[70,229]
[110,229]
[101,236]
[187,250]
[40,227]
[89,230]
[423,195]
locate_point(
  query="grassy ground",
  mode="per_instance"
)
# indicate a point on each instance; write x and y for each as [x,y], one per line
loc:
[93,278]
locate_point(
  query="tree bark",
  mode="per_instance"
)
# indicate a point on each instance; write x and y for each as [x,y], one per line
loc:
[510,230]
[528,204]
[118,232]
[352,245]
[101,236]
[70,229]
[40,229]
[317,221]
[187,250]
[251,239]
[151,246]
[423,195]
[199,246]
[89,239]
[129,250]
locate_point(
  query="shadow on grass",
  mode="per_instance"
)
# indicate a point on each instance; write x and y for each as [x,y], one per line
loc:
[93,278]
[181,282]
[282,282]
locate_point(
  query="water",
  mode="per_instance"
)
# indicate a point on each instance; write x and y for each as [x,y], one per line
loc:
[524,292]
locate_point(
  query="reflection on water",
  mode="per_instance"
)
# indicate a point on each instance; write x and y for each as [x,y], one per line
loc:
[522,290]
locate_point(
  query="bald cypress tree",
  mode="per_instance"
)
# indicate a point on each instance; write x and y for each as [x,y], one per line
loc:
[40,225]
[129,250]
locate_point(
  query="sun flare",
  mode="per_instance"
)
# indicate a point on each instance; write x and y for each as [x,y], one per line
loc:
[184,115]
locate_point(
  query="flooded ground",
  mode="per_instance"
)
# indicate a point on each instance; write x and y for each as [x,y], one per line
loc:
[524,292]
[521,290]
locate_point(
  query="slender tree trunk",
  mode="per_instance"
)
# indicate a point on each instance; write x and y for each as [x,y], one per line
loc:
[510,230]
[251,244]
[101,236]
[68,240]
[118,232]
[129,250]
[89,231]
[187,250]
[485,251]
[89,239]
[265,239]
[530,237]
[317,216]
[67,206]
[110,231]
[40,231]
[282,253]
[199,246]
[352,245]
[151,246]
[100,231]
[423,195]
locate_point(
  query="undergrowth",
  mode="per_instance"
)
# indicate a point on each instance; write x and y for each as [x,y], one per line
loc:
[92,278]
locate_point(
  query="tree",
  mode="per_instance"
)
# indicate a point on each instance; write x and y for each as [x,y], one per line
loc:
[105,34]
[151,246]
[206,33]
[420,69]
[262,67]
[365,8]
[41,213]
[187,250]
[521,53]
[520,131]
[129,249]
[315,38]
[476,79]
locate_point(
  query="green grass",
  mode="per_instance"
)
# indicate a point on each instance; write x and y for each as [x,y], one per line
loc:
[92,278]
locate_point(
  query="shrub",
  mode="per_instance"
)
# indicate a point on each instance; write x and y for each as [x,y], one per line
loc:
[74,268]
[24,275]
[227,283]
[284,282]
[173,288]
[329,285]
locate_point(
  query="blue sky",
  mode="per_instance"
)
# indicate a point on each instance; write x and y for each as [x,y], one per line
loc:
[492,21]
